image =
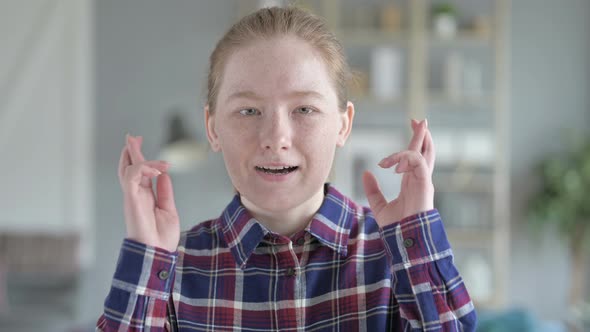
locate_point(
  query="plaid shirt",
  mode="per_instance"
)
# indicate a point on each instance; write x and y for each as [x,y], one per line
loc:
[341,273]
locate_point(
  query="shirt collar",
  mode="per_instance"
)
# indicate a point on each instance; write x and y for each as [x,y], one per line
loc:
[330,225]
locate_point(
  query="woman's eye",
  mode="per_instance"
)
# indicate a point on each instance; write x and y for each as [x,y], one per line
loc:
[305,110]
[249,111]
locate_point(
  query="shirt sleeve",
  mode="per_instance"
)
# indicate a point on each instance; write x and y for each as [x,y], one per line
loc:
[138,298]
[425,282]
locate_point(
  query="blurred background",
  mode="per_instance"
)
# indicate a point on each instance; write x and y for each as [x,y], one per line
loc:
[504,85]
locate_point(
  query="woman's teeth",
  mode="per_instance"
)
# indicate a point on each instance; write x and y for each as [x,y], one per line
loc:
[277,170]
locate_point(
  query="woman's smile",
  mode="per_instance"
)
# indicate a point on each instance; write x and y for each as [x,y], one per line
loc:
[276,173]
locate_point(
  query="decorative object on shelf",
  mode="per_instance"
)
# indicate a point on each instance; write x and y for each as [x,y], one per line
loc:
[390,18]
[270,3]
[180,149]
[473,147]
[472,79]
[446,149]
[481,26]
[363,150]
[386,76]
[452,75]
[444,20]
[478,147]
[462,77]
[563,201]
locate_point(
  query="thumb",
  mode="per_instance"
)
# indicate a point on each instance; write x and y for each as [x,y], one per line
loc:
[165,194]
[374,195]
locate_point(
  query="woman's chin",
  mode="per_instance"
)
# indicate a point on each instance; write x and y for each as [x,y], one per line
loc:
[279,200]
[273,202]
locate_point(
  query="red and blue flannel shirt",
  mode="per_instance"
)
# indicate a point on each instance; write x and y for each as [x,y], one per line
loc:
[341,273]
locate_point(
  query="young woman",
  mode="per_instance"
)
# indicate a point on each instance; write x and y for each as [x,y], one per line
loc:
[289,252]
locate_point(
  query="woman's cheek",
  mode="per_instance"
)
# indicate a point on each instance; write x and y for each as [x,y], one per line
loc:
[240,131]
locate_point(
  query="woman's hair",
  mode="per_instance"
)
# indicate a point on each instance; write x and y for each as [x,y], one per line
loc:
[273,22]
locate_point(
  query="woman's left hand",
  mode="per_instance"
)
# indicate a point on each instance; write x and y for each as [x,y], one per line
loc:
[417,190]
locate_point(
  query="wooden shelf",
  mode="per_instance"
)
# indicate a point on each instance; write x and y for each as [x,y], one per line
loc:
[463,182]
[439,97]
[370,100]
[456,182]
[463,38]
[371,37]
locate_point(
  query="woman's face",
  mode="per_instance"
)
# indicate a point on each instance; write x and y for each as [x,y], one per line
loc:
[277,122]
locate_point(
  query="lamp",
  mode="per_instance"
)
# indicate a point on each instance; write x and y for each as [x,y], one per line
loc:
[180,149]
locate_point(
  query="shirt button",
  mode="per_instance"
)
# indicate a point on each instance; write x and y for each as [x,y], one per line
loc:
[290,272]
[163,275]
[301,241]
[409,242]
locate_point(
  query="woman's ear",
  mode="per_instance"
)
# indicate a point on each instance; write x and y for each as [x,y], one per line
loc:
[211,133]
[347,118]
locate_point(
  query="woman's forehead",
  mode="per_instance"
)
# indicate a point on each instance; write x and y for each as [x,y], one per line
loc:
[293,94]
[276,67]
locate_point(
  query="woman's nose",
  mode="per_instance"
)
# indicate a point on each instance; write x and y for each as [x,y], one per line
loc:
[276,133]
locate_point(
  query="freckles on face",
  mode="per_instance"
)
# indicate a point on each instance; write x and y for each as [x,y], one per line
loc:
[277,106]
[278,75]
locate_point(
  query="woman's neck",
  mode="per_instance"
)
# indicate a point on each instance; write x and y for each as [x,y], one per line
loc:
[288,222]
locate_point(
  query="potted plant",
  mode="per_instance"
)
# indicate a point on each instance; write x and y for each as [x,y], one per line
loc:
[563,200]
[444,20]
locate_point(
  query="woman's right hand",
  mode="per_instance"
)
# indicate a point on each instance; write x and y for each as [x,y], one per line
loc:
[150,219]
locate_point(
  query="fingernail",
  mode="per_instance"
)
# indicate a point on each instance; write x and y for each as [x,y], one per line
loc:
[426,123]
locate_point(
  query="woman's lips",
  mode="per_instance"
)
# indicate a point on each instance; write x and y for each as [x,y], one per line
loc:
[276,173]
[276,169]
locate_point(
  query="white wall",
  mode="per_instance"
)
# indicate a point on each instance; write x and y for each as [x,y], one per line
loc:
[550,84]
[150,56]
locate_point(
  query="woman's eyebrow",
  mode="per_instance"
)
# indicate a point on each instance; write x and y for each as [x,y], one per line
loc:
[307,93]
[244,95]
[295,94]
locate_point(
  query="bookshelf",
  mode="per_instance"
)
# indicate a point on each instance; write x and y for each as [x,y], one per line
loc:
[460,83]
